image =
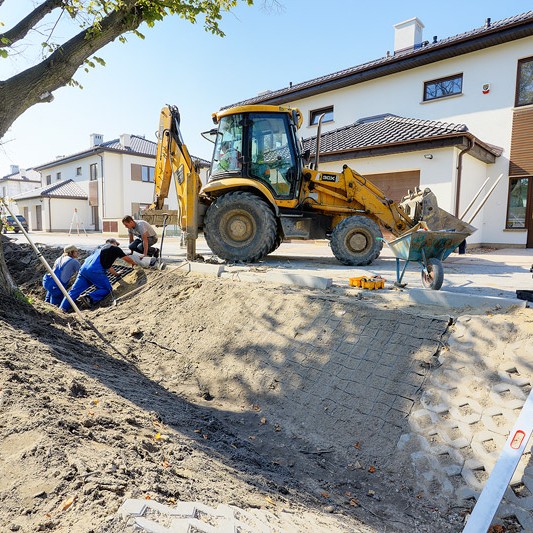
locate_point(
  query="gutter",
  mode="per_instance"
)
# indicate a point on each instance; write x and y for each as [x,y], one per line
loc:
[50,214]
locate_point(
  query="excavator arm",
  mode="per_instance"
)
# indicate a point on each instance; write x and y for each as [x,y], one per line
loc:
[173,160]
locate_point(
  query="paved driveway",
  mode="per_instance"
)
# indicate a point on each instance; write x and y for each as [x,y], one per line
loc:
[498,273]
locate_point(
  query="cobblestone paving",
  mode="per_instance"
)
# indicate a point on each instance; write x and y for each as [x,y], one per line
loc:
[466,411]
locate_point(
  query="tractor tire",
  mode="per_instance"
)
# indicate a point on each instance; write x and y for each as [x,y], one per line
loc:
[277,242]
[356,241]
[433,274]
[239,226]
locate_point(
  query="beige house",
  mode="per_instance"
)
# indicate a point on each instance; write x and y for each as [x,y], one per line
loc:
[16,182]
[96,187]
[445,113]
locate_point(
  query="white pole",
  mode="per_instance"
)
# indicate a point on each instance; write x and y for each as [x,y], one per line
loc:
[473,199]
[46,265]
[485,198]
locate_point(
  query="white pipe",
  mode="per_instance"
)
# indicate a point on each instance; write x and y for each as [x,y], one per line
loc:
[45,263]
[473,199]
[485,199]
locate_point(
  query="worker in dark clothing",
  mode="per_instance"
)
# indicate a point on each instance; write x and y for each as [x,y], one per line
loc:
[93,272]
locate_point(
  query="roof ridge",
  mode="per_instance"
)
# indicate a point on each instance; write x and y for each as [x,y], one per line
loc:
[451,126]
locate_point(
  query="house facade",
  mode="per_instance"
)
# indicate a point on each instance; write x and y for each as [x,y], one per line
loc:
[479,83]
[16,182]
[95,188]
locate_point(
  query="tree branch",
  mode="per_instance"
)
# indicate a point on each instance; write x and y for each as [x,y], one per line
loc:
[58,69]
[20,30]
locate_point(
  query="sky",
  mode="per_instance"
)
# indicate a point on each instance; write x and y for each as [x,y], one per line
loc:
[181,64]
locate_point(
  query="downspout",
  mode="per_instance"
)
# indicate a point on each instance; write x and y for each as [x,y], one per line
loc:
[459,173]
[103,197]
[50,214]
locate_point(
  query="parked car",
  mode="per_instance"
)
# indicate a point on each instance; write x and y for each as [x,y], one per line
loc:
[9,223]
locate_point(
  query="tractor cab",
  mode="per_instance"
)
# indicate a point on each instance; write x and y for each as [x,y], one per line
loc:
[259,143]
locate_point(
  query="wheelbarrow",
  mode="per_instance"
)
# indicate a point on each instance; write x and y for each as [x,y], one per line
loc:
[429,249]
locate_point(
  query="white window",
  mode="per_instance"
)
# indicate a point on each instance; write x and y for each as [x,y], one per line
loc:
[315,114]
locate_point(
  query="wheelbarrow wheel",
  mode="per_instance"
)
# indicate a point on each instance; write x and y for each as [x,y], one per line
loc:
[433,274]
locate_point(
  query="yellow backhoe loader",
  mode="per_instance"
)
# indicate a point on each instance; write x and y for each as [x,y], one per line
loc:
[263,189]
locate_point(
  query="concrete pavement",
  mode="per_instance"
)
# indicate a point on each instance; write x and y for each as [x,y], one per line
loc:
[494,274]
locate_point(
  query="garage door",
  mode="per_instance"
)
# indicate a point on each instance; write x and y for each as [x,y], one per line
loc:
[396,184]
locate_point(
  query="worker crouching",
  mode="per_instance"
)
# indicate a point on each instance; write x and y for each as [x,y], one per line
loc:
[93,272]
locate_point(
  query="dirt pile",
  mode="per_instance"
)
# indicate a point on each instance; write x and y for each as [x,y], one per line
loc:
[198,389]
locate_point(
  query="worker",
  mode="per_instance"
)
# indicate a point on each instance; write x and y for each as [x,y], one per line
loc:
[65,266]
[93,272]
[145,237]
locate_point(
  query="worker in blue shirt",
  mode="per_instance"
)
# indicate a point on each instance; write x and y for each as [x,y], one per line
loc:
[93,272]
[65,267]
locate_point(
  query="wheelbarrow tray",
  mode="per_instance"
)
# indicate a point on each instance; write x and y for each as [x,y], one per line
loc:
[421,245]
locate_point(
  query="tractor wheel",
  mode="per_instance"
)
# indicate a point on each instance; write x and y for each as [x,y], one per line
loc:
[433,274]
[277,242]
[239,226]
[356,241]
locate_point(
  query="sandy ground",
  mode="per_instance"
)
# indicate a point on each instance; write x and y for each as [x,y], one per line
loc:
[176,394]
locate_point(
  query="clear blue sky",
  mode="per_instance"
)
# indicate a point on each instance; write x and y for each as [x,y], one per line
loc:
[179,63]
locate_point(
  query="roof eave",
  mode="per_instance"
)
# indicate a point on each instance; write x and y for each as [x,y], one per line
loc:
[459,141]
[420,57]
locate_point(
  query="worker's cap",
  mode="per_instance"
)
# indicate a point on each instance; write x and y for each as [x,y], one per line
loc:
[70,248]
[112,241]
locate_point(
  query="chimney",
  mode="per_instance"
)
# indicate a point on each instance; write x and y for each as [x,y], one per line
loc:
[96,139]
[125,141]
[408,34]
[14,169]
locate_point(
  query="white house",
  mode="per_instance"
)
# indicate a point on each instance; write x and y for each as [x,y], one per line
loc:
[440,113]
[16,182]
[95,188]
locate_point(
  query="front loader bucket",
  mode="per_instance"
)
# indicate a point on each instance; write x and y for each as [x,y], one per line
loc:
[423,206]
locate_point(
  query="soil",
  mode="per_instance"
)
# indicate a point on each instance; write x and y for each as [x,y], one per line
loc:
[179,393]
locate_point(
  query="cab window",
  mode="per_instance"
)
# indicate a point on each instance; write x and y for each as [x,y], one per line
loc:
[227,155]
[272,158]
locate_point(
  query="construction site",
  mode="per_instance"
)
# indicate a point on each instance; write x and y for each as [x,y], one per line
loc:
[262,400]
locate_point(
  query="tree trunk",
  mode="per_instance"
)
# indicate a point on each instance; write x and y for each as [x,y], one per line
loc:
[7,285]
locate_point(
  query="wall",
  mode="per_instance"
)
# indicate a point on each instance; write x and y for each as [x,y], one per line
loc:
[489,117]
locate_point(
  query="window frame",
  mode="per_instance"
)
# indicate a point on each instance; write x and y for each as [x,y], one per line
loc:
[315,114]
[58,176]
[78,171]
[151,174]
[441,80]
[93,172]
[517,90]
[527,207]
[48,179]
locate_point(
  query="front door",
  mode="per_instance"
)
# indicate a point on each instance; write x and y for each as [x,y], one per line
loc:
[38,218]
[520,206]
[529,214]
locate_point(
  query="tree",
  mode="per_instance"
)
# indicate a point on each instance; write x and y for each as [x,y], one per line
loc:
[101,22]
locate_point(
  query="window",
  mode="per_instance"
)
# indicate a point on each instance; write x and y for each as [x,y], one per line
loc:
[516,210]
[49,179]
[58,176]
[443,87]
[93,171]
[524,82]
[314,116]
[147,174]
[78,171]
[272,159]
[228,146]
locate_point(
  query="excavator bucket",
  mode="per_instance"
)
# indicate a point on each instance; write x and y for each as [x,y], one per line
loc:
[156,217]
